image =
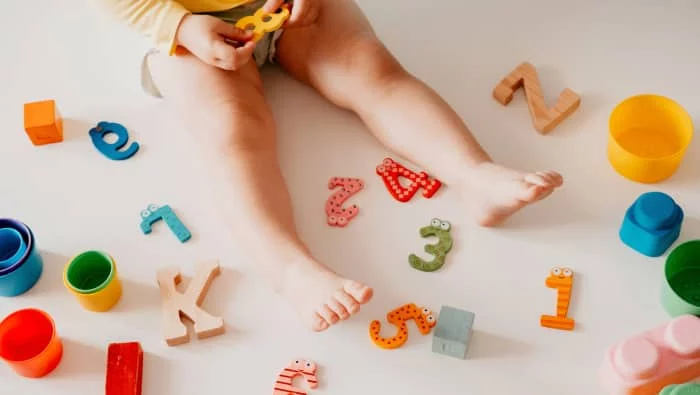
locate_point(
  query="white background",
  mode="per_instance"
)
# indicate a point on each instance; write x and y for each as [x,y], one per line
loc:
[75,199]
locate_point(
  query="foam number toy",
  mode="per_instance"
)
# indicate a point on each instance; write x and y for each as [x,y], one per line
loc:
[112,150]
[154,214]
[262,22]
[390,172]
[285,381]
[561,279]
[422,316]
[336,214]
[440,229]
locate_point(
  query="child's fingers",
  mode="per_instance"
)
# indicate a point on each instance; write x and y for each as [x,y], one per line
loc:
[272,5]
[299,11]
[228,57]
[232,32]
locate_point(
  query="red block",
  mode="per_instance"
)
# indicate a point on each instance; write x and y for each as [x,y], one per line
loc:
[124,369]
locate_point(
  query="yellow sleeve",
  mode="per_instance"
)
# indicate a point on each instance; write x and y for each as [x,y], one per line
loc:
[157,19]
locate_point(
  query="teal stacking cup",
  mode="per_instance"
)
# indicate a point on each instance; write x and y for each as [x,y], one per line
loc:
[681,290]
[21,265]
[12,247]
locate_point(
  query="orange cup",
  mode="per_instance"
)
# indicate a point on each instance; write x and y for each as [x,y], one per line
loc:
[29,343]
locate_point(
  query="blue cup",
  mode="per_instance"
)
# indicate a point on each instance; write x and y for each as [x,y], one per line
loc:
[21,275]
[12,247]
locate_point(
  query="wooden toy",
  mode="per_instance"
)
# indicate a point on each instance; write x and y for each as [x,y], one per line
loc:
[440,229]
[423,318]
[284,384]
[176,304]
[390,171]
[652,224]
[262,22]
[154,214]
[681,389]
[124,369]
[544,119]
[337,215]
[453,332]
[43,122]
[112,150]
[561,279]
[650,361]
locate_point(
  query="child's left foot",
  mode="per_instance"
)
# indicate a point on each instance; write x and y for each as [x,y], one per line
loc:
[494,193]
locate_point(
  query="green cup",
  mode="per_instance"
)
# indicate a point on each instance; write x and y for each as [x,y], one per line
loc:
[681,290]
[90,272]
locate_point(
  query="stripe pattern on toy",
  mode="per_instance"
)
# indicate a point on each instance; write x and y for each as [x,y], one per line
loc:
[285,381]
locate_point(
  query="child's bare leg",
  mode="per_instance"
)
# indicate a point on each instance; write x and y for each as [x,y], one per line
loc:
[342,58]
[234,124]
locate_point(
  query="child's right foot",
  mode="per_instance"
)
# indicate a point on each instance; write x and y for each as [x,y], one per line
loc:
[321,297]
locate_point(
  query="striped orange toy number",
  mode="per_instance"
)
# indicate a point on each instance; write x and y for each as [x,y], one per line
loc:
[561,279]
[285,381]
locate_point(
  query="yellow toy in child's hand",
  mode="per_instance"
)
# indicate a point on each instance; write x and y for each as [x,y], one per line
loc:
[262,22]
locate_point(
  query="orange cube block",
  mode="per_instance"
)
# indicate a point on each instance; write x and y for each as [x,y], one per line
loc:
[43,122]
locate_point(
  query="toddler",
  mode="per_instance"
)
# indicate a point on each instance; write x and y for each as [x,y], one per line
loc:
[216,90]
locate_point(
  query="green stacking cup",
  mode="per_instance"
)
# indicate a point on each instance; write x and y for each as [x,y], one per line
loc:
[681,289]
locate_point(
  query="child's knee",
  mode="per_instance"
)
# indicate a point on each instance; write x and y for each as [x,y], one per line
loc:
[239,126]
[373,62]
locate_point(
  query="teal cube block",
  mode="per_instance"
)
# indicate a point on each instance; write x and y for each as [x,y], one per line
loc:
[453,332]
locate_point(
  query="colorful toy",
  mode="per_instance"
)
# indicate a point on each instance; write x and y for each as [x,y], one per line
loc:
[92,277]
[43,122]
[188,303]
[337,215]
[423,317]
[390,171]
[440,229]
[543,119]
[562,280]
[124,369]
[649,136]
[453,332]
[22,266]
[681,290]
[681,389]
[154,214]
[112,150]
[29,343]
[652,224]
[648,362]
[285,381]
[262,22]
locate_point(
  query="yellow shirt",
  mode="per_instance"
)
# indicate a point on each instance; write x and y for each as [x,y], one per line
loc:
[159,19]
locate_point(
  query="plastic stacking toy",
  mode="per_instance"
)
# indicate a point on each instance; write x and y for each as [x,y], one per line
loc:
[681,389]
[650,361]
[649,135]
[285,380]
[29,343]
[681,290]
[336,214]
[262,22]
[154,214]
[43,122]
[453,332]
[124,369]
[390,171]
[562,280]
[188,304]
[112,150]
[21,265]
[544,119]
[441,230]
[652,224]
[92,278]
[424,318]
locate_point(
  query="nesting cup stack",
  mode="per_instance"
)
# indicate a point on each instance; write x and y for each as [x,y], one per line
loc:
[20,263]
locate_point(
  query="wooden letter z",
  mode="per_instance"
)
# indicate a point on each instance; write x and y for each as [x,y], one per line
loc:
[176,304]
[544,119]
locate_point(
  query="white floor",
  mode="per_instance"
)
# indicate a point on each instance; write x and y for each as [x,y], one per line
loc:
[75,199]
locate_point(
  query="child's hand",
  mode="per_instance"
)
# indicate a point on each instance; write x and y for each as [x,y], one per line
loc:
[204,36]
[304,12]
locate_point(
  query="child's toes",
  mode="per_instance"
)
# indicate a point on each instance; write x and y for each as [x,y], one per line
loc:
[350,304]
[537,179]
[319,323]
[339,309]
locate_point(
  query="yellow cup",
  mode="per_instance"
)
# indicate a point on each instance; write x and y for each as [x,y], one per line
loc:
[92,278]
[649,135]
